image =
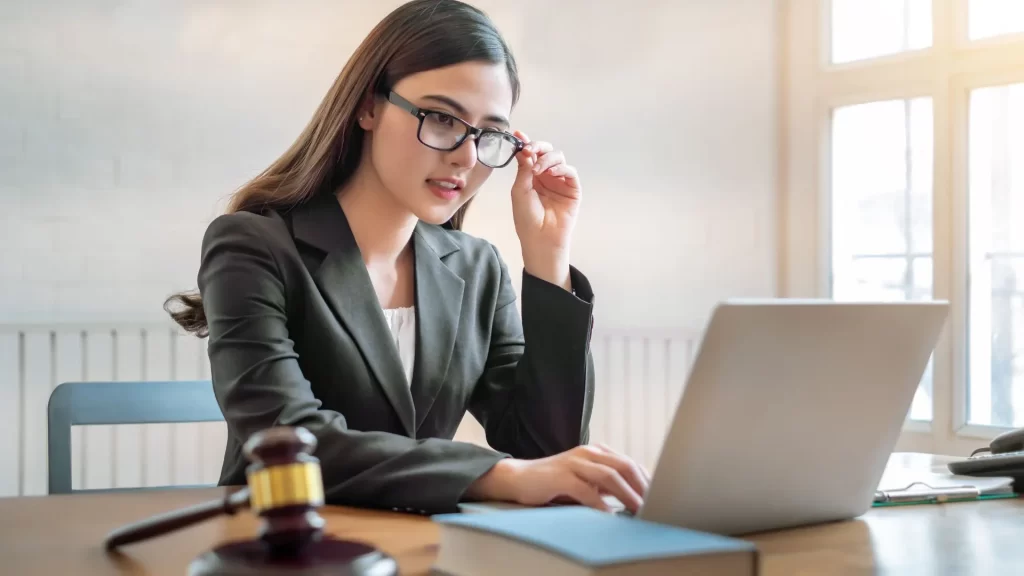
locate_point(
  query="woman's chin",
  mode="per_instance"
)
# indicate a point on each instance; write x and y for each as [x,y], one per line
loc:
[433,218]
[436,215]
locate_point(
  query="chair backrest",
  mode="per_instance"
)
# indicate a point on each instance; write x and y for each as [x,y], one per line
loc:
[99,403]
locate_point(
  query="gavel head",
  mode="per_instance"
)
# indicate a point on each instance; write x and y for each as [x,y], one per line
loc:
[285,488]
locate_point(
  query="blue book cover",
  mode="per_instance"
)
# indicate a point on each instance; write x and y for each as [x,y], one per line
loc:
[594,538]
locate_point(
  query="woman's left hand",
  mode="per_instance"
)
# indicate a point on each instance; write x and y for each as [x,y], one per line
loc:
[546,197]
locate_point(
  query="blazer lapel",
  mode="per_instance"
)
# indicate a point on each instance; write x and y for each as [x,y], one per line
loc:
[345,284]
[438,306]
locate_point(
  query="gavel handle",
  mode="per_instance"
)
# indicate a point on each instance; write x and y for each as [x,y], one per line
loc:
[177,519]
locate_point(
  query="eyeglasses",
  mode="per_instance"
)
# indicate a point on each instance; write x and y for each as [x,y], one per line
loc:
[442,131]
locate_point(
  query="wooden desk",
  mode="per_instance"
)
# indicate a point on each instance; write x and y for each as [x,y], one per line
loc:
[58,535]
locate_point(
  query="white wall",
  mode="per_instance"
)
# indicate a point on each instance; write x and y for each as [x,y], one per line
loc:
[125,125]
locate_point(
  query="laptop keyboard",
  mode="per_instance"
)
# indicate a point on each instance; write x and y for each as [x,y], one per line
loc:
[617,507]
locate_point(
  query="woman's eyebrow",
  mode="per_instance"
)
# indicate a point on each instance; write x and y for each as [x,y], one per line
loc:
[462,109]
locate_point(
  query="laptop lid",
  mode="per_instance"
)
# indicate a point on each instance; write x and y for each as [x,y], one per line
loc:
[790,412]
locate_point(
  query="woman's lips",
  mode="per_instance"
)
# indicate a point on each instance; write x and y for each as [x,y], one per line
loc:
[445,189]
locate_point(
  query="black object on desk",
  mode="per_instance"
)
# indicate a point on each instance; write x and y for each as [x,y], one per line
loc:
[1009,464]
[1004,456]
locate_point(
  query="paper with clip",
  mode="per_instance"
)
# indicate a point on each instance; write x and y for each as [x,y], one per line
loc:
[902,486]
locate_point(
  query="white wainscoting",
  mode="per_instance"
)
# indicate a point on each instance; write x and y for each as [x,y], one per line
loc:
[35,359]
[640,376]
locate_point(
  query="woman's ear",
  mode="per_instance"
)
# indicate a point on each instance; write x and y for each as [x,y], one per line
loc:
[367,113]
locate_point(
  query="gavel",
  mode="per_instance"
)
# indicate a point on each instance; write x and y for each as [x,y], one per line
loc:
[284,488]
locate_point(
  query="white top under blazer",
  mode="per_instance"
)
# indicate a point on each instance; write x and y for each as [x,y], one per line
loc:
[402,322]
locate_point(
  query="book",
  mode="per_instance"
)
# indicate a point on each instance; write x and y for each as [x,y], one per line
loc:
[582,541]
[483,507]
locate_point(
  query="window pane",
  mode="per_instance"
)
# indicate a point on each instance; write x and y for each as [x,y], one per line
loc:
[922,280]
[864,29]
[881,208]
[996,256]
[987,18]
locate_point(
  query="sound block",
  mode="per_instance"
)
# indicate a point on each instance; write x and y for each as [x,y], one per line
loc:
[323,557]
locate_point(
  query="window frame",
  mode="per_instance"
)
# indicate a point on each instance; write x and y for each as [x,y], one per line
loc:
[811,87]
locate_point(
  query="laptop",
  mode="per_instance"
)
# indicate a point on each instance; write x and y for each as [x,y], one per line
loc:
[790,412]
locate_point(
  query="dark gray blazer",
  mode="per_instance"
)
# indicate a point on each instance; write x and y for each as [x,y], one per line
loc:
[298,338]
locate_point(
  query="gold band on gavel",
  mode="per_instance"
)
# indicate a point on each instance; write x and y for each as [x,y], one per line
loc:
[293,484]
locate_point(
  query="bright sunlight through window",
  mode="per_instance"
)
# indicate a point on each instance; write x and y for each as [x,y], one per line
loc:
[988,18]
[881,206]
[996,256]
[863,29]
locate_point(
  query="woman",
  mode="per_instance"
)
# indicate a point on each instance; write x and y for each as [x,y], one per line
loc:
[355,230]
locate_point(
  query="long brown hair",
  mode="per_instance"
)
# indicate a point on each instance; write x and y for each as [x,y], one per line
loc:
[418,36]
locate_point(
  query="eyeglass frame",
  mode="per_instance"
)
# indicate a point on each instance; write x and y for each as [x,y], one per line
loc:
[471,131]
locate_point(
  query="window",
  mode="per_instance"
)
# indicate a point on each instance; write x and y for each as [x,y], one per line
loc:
[904,180]
[996,256]
[881,207]
[863,29]
[988,18]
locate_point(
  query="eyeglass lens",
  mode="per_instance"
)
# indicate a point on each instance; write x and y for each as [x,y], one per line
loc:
[444,132]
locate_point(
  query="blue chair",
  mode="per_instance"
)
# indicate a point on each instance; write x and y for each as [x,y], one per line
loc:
[99,403]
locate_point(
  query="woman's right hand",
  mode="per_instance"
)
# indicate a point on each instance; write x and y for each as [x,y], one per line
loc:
[582,475]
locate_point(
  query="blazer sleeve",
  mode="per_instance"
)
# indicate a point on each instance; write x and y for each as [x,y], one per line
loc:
[537,392]
[258,383]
